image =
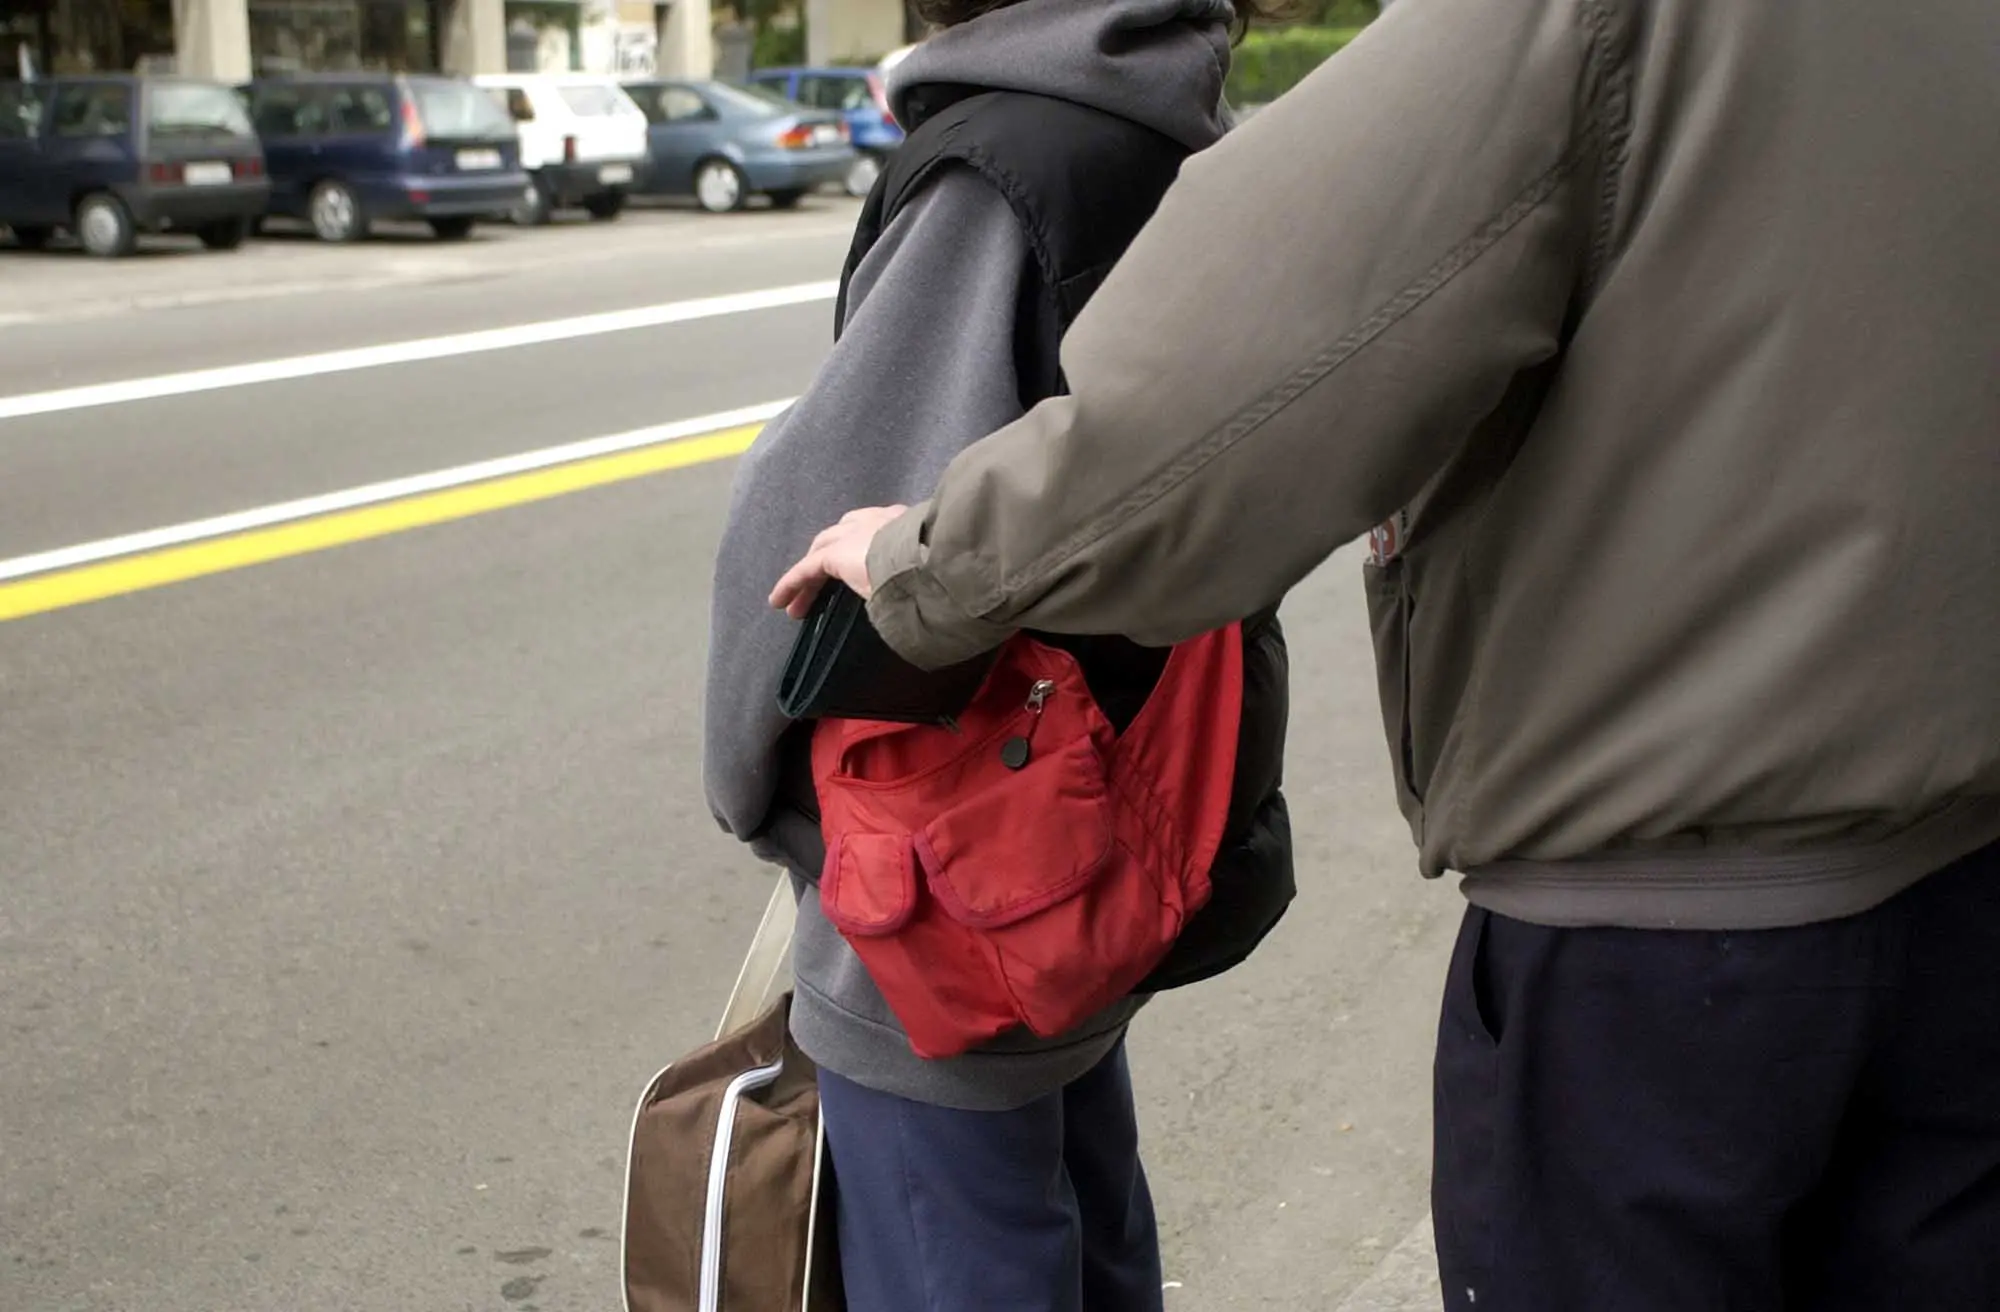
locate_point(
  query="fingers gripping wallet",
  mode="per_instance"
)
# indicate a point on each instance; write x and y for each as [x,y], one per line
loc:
[840,668]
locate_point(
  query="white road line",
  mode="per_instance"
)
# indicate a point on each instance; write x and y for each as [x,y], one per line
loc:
[174,535]
[423,348]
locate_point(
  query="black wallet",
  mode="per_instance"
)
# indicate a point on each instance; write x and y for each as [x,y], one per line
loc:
[841,668]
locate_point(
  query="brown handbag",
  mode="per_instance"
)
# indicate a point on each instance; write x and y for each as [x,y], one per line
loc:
[727,1173]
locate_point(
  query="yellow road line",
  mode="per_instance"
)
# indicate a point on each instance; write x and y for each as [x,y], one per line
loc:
[154,569]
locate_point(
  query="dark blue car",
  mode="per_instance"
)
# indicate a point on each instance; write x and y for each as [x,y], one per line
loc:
[859,96]
[107,158]
[348,149]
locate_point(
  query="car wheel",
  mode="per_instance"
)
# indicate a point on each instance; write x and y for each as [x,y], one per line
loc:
[31,238]
[105,226]
[719,187]
[456,228]
[605,205]
[536,205]
[223,234]
[787,200]
[335,212]
[861,175]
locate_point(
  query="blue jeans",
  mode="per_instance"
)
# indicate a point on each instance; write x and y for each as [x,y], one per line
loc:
[1040,1209]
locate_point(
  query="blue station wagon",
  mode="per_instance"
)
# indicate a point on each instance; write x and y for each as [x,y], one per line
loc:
[107,158]
[346,150]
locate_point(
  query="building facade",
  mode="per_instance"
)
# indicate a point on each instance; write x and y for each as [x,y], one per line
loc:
[237,39]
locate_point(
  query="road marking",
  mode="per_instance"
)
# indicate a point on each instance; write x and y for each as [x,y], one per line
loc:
[408,352]
[92,571]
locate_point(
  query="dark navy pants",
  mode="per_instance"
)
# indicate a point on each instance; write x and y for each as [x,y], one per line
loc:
[1040,1209]
[1793,1120]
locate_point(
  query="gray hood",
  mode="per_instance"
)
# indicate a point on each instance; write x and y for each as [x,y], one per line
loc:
[1158,63]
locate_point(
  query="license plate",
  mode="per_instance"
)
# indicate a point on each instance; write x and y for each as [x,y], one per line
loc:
[613,174]
[208,175]
[471,161]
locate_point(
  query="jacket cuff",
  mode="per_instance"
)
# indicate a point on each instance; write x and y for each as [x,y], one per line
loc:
[910,608]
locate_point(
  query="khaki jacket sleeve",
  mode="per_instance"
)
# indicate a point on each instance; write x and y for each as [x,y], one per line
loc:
[1323,309]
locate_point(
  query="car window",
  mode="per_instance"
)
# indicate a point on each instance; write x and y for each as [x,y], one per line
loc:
[290,111]
[591,101]
[359,109]
[750,102]
[671,104]
[459,109]
[20,111]
[515,101]
[193,110]
[93,109]
[836,93]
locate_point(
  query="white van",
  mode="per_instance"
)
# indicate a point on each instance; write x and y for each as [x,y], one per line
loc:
[583,141]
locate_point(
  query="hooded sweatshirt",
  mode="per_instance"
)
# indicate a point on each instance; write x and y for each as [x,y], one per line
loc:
[923,367]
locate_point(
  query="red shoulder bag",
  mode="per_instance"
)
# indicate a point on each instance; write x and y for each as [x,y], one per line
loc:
[1030,866]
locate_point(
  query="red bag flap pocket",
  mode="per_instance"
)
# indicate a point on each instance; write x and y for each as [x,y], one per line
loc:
[869,887]
[1022,841]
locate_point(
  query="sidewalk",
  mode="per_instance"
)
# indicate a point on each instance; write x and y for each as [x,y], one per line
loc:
[174,272]
[1407,1280]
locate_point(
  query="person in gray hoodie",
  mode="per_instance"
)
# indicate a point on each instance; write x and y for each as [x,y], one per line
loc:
[1018,1159]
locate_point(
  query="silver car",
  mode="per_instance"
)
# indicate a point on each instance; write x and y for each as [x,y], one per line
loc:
[723,144]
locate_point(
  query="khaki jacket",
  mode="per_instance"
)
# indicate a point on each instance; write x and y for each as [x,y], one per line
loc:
[1662,342]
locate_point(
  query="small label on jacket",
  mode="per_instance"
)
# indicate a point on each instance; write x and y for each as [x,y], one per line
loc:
[1385,540]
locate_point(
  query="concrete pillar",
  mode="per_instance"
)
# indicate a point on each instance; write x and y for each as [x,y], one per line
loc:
[819,32]
[475,37]
[734,44]
[841,31]
[212,39]
[687,40]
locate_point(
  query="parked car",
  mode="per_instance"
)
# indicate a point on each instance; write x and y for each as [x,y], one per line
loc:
[347,149]
[722,145]
[110,157]
[583,142]
[858,95]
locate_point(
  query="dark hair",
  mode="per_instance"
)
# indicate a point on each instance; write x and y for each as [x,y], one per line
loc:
[951,13]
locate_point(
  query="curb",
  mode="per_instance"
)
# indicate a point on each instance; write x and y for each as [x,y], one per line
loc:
[1407,1280]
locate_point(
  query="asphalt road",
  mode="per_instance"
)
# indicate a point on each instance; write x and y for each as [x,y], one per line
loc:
[346,900]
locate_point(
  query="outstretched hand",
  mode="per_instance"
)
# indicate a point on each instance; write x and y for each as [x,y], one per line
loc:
[840,553]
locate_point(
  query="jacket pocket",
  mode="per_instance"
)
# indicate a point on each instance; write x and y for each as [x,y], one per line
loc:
[1390,607]
[1466,1192]
[869,887]
[1029,839]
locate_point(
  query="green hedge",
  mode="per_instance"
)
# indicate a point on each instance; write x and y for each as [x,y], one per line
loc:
[1339,13]
[779,47]
[1273,61]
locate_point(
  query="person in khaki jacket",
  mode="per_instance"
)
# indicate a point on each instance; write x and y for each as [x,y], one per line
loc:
[1659,345]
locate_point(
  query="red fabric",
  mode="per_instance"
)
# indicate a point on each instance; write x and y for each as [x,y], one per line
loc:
[981,897]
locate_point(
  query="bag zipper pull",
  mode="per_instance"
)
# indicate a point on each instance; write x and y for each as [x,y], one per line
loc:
[1014,753]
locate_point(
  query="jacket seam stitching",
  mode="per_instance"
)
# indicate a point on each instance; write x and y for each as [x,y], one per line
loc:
[1612,114]
[1613,102]
[1316,370]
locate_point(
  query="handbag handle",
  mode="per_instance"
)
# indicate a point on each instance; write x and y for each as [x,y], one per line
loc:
[762,977]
